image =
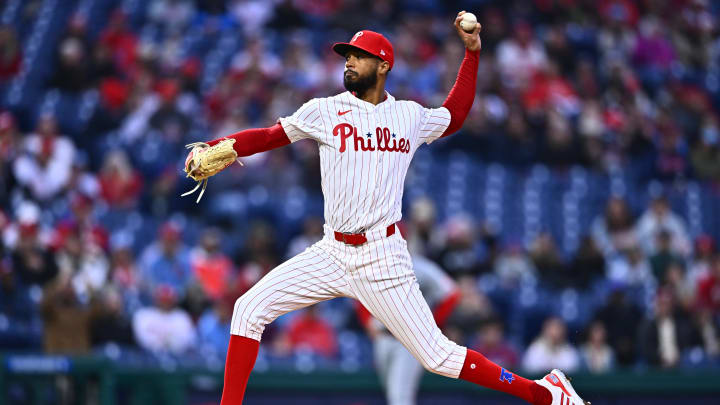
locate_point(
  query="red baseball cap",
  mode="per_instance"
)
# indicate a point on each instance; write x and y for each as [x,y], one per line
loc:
[371,42]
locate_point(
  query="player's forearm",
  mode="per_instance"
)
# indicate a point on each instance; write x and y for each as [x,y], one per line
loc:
[462,95]
[256,140]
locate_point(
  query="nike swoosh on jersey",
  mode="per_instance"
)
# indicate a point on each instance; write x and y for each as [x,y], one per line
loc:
[343,112]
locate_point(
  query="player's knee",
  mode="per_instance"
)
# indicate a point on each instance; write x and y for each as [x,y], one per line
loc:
[240,307]
[431,365]
[245,316]
[438,363]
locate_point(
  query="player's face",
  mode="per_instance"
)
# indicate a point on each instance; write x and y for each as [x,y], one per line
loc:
[361,71]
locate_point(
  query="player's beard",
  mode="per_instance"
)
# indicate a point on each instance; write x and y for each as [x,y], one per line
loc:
[359,84]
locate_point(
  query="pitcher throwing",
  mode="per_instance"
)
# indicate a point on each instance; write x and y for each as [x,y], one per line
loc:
[366,140]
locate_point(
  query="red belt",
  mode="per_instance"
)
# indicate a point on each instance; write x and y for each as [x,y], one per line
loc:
[359,238]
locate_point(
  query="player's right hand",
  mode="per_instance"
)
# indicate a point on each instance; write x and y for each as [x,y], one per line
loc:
[471,40]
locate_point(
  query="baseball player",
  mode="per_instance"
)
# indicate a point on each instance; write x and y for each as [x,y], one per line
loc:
[366,140]
[399,372]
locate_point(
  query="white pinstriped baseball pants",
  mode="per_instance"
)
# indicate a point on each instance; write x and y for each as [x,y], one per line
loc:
[378,273]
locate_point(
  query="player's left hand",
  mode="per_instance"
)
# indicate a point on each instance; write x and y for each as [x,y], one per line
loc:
[470,39]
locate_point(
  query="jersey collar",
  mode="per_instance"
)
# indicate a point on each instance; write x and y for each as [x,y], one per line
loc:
[389,99]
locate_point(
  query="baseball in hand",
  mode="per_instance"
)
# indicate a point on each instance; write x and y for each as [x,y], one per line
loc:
[468,23]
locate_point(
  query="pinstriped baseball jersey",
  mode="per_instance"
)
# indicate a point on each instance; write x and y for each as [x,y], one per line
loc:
[365,151]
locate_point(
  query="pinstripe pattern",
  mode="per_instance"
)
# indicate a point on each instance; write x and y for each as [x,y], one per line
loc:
[306,279]
[378,273]
[363,190]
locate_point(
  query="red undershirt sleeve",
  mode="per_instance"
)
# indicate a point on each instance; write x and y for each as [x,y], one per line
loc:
[462,95]
[444,308]
[255,140]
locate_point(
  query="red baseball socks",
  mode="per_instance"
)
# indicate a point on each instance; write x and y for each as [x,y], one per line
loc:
[477,369]
[240,360]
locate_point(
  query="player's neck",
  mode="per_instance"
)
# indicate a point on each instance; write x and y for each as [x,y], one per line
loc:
[375,95]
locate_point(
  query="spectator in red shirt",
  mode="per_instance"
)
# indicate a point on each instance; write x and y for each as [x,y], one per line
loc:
[211,268]
[121,41]
[491,342]
[81,221]
[310,332]
[708,288]
[120,183]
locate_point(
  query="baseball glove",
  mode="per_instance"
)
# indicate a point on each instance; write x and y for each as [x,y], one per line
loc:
[205,161]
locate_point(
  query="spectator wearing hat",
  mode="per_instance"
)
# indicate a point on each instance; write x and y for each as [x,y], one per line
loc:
[164,327]
[169,119]
[121,41]
[166,261]
[30,258]
[107,116]
[45,167]
[84,263]
[82,219]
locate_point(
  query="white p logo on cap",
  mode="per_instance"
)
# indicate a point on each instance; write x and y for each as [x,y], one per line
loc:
[356,36]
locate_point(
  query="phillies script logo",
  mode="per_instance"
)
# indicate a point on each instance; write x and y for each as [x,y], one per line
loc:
[384,140]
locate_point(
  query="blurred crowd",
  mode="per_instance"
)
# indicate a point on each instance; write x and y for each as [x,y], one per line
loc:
[98,248]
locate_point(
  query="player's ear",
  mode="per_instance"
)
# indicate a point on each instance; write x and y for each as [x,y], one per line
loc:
[384,67]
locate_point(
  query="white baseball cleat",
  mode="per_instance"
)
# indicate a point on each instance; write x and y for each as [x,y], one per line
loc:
[562,391]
